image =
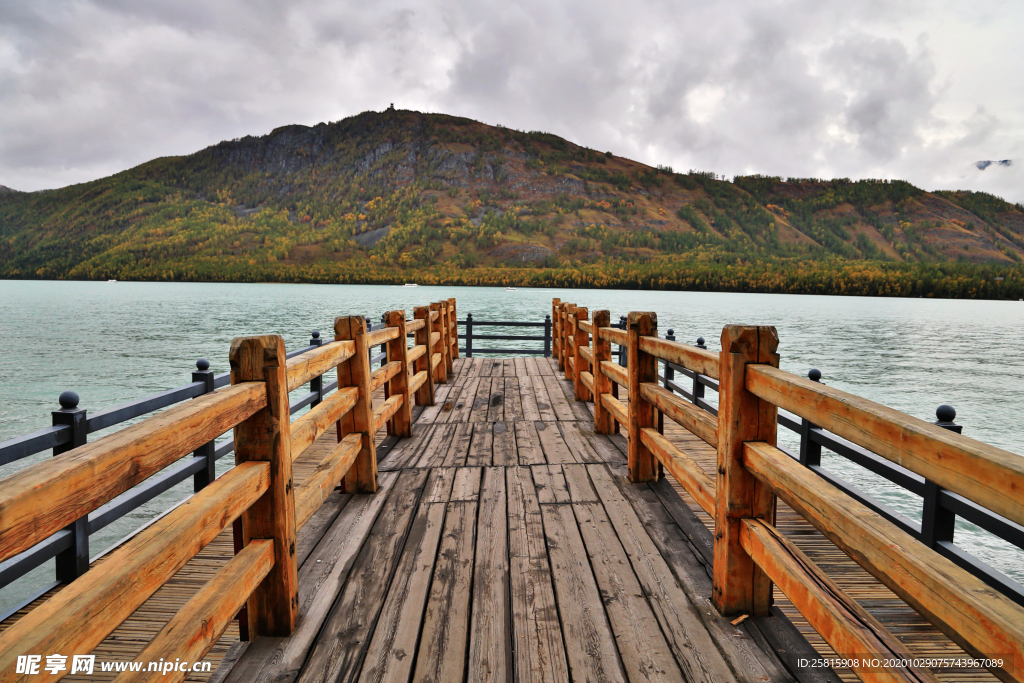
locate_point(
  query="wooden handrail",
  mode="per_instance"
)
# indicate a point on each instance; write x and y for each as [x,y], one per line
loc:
[685,414]
[311,426]
[414,325]
[614,335]
[381,375]
[845,625]
[982,473]
[586,326]
[87,610]
[616,409]
[971,613]
[685,469]
[381,336]
[384,412]
[416,351]
[43,499]
[315,362]
[690,357]
[615,372]
[318,485]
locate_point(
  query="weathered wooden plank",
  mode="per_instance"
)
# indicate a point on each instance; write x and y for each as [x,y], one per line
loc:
[458,449]
[321,577]
[528,398]
[747,662]
[338,652]
[434,412]
[685,414]
[438,488]
[467,484]
[496,401]
[388,657]
[490,646]
[646,655]
[407,451]
[481,402]
[435,447]
[578,482]
[513,400]
[504,445]
[690,357]
[308,365]
[528,445]
[539,652]
[462,403]
[686,471]
[550,484]
[480,448]
[579,446]
[555,450]
[589,641]
[604,445]
[559,402]
[848,627]
[441,656]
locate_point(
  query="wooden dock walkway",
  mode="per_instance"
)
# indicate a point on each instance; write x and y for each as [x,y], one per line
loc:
[506,543]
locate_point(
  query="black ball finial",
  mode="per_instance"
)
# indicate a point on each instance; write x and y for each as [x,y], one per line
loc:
[203,365]
[315,334]
[68,400]
[945,413]
[700,341]
[671,331]
[814,374]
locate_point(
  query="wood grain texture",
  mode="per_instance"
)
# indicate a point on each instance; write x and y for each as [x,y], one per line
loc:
[985,474]
[315,362]
[319,484]
[740,586]
[849,628]
[362,476]
[683,413]
[615,373]
[40,500]
[82,614]
[425,394]
[490,646]
[686,471]
[699,360]
[968,611]
[266,437]
[643,368]
[197,626]
[604,423]
[309,427]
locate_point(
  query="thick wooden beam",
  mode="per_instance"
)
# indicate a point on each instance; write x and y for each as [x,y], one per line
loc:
[615,409]
[971,613]
[316,362]
[643,368]
[416,324]
[985,474]
[740,587]
[437,344]
[587,380]
[692,358]
[196,627]
[563,328]
[851,631]
[266,437]
[615,373]
[416,352]
[41,500]
[380,376]
[319,484]
[78,617]
[687,472]
[381,336]
[425,394]
[604,423]
[587,353]
[580,345]
[556,331]
[416,382]
[362,476]
[684,413]
[585,326]
[615,335]
[398,351]
[455,328]
[570,338]
[314,423]
[385,411]
[446,336]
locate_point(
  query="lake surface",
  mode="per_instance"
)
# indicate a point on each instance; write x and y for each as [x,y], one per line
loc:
[115,342]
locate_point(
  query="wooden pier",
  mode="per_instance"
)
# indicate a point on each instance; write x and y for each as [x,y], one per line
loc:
[505,530]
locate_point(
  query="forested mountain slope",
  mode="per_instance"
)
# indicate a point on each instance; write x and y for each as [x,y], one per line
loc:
[403,196]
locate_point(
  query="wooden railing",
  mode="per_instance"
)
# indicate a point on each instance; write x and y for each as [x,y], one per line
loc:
[750,554]
[259,491]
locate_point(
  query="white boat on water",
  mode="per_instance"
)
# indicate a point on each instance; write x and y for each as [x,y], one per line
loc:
[411,284]
[111,280]
[510,289]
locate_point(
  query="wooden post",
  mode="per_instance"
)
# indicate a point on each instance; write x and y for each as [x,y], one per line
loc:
[582,365]
[362,476]
[273,607]
[398,350]
[643,367]
[604,423]
[570,333]
[446,337]
[442,370]
[455,328]
[556,332]
[425,394]
[740,587]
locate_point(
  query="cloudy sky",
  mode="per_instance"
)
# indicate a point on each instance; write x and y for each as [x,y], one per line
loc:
[915,89]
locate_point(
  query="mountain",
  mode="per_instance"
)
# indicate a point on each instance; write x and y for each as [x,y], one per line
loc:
[403,196]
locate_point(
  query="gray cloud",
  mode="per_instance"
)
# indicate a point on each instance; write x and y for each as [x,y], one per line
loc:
[789,87]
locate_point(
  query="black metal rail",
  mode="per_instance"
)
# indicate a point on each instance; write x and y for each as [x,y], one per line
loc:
[468,324]
[71,427]
[940,507]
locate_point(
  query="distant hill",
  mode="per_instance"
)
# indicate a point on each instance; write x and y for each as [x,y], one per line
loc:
[402,196]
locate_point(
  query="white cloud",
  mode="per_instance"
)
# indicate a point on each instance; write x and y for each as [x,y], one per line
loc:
[908,88]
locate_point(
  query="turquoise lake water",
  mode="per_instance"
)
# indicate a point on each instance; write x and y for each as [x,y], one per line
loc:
[114,342]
